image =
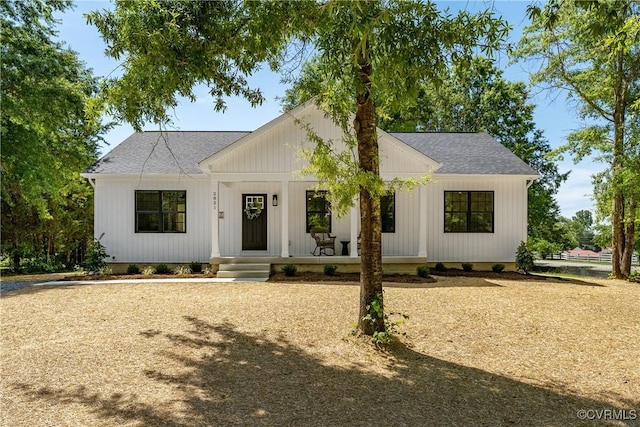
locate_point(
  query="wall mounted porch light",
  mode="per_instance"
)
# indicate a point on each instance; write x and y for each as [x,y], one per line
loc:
[274,200]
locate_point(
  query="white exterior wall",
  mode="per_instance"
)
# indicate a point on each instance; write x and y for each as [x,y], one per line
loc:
[115,217]
[260,162]
[510,221]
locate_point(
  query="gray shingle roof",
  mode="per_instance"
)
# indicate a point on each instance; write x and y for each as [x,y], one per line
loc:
[466,153]
[178,152]
[172,152]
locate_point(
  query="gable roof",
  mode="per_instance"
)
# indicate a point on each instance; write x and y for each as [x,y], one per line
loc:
[466,153]
[179,152]
[167,152]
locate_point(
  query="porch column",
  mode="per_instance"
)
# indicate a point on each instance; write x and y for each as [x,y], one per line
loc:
[284,215]
[422,224]
[353,214]
[215,227]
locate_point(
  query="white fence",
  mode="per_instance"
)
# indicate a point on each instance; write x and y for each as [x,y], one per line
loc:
[602,257]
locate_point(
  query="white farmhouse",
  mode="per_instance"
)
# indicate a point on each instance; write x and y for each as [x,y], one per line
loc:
[234,197]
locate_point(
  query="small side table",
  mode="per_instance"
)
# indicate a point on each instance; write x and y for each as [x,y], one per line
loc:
[345,247]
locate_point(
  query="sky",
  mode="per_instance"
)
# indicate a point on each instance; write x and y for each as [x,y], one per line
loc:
[554,115]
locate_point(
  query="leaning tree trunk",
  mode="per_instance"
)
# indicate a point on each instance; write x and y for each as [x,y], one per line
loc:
[370,320]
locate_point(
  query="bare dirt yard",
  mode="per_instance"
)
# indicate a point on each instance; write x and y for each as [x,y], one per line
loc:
[477,352]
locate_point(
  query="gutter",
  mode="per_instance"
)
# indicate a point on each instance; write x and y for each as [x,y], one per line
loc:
[92,182]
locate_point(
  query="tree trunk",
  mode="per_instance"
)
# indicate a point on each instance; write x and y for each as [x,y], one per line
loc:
[369,320]
[618,214]
[627,254]
[618,241]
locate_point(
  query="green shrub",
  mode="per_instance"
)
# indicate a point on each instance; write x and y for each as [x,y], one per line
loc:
[545,248]
[148,270]
[635,276]
[195,266]
[163,268]
[183,270]
[497,268]
[330,269]
[524,258]
[40,264]
[440,267]
[105,271]
[289,270]
[423,271]
[96,254]
[467,266]
[133,269]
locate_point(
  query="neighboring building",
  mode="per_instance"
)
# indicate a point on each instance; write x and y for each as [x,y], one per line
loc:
[177,197]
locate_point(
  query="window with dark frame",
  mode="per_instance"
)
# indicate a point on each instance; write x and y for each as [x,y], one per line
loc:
[388,213]
[468,212]
[318,210]
[161,211]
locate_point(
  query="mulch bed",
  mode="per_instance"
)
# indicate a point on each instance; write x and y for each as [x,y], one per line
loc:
[321,277]
[346,277]
[403,278]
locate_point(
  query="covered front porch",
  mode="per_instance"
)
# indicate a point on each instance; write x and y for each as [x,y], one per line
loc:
[346,264]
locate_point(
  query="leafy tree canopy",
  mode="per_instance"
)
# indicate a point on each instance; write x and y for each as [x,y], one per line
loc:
[592,50]
[46,138]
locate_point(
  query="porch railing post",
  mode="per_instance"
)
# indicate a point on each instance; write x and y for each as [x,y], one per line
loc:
[215,226]
[284,215]
[353,214]
[422,222]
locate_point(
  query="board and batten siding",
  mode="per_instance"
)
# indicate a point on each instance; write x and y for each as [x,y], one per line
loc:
[277,149]
[115,217]
[510,221]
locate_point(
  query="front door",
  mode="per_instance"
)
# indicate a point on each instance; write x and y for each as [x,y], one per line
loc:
[254,222]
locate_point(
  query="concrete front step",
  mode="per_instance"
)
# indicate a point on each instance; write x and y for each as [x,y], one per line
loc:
[243,274]
[244,271]
[244,266]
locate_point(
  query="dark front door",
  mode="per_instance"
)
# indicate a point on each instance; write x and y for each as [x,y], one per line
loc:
[254,222]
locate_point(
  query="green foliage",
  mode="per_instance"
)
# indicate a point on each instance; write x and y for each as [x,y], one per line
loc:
[105,271]
[635,276]
[162,268]
[195,266]
[330,269]
[133,269]
[440,267]
[423,271]
[47,139]
[467,266]
[289,270]
[39,264]
[375,312]
[497,268]
[543,248]
[148,270]
[524,258]
[183,270]
[590,50]
[96,255]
